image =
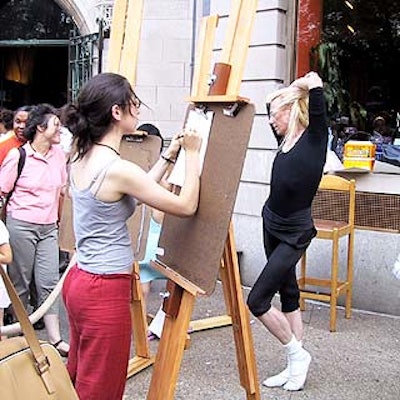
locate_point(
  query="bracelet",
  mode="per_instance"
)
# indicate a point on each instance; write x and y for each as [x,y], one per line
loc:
[167,159]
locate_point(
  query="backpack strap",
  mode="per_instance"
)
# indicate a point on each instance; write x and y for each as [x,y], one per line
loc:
[21,163]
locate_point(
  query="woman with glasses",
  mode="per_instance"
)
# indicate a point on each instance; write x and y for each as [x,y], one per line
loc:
[105,190]
[297,117]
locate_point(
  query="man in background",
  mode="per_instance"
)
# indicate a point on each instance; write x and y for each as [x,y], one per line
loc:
[15,137]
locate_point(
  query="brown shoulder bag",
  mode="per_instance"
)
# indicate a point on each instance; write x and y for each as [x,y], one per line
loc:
[30,369]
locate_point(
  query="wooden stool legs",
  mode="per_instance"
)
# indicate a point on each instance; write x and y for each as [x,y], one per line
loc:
[350,260]
[333,283]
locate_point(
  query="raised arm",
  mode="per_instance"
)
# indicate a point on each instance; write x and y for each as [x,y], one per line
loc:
[316,107]
[167,158]
[132,180]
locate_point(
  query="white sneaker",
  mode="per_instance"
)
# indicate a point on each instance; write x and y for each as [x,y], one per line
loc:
[298,369]
[277,380]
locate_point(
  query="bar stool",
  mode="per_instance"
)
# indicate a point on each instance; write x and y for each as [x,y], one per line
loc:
[333,212]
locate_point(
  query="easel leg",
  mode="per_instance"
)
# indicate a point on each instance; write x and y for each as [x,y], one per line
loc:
[220,320]
[143,358]
[240,320]
[172,344]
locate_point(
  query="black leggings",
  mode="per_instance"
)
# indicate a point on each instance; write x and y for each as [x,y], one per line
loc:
[278,275]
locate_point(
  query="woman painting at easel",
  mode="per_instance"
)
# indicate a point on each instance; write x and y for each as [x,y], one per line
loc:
[105,189]
[297,115]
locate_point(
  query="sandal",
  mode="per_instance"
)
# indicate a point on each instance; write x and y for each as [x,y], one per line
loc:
[62,352]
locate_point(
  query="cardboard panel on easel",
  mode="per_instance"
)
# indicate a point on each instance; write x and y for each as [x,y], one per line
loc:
[193,246]
[143,153]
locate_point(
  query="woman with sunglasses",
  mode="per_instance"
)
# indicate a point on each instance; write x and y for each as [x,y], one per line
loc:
[105,190]
[297,117]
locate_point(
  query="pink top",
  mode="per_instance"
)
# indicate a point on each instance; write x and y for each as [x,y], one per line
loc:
[37,192]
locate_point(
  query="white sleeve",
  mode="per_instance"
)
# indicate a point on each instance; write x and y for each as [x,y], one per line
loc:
[4,235]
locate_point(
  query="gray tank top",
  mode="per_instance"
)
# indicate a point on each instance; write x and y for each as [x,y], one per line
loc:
[103,242]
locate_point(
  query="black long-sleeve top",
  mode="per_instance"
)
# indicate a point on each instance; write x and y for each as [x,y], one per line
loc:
[296,174]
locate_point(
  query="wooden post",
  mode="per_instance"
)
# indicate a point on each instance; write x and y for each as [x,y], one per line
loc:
[240,319]
[125,38]
[182,297]
[142,359]
[171,347]
[205,46]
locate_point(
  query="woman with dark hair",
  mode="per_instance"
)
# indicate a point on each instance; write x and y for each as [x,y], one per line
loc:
[297,116]
[105,190]
[32,212]
[6,121]
[15,136]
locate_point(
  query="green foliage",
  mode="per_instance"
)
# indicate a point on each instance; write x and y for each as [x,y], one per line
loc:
[325,60]
[33,19]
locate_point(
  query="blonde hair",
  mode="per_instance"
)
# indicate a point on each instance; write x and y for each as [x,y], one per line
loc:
[295,96]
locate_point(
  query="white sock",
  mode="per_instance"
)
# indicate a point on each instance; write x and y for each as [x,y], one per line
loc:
[299,362]
[293,346]
[281,378]
[278,380]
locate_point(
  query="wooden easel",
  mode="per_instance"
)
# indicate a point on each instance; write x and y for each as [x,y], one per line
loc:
[179,304]
[124,44]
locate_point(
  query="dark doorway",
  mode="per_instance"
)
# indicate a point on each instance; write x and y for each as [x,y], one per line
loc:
[34,52]
[50,76]
[31,75]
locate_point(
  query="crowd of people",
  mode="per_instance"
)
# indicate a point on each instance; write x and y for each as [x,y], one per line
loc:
[35,155]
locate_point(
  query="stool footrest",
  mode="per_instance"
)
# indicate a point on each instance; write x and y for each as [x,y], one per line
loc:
[315,296]
[318,282]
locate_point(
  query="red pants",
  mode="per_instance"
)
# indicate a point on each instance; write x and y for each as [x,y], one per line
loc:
[100,332]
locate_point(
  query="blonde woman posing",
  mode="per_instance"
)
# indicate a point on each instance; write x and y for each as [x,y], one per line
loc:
[297,117]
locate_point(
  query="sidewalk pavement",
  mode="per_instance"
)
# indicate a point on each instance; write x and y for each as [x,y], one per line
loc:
[360,361]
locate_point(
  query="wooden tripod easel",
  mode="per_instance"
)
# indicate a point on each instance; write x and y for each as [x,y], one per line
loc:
[182,293]
[124,44]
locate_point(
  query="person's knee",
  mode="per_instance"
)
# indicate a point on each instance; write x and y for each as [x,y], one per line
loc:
[251,302]
[256,305]
[290,304]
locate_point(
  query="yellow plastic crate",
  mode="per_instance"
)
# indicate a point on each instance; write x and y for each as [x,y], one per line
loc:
[359,149]
[360,162]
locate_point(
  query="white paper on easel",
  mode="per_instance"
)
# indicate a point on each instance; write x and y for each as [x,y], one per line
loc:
[201,122]
[157,323]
